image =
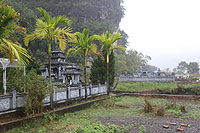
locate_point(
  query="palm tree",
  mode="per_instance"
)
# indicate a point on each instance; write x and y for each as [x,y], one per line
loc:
[107,40]
[84,46]
[49,29]
[11,50]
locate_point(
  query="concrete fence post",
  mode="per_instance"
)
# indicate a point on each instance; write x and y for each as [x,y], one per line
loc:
[54,95]
[106,89]
[99,87]
[80,89]
[90,88]
[13,100]
[69,92]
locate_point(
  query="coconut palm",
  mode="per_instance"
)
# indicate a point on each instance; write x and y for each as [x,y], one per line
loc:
[85,47]
[107,40]
[11,50]
[48,29]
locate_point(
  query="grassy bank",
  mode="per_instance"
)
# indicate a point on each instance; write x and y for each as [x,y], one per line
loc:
[145,86]
[171,87]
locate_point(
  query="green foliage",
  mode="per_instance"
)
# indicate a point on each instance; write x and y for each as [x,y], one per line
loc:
[35,93]
[174,108]
[142,129]
[141,86]
[191,67]
[97,127]
[8,26]
[98,70]
[129,62]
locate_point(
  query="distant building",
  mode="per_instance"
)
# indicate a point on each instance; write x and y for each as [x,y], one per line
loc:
[62,71]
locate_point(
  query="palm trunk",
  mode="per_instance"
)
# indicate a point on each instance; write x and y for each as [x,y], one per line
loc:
[108,85]
[50,81]
[85,65]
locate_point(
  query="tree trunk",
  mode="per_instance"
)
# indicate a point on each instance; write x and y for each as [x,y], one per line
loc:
[108,85]
[50,81]
[85,65]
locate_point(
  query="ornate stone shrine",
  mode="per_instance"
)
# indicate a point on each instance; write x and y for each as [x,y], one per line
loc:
[62,71]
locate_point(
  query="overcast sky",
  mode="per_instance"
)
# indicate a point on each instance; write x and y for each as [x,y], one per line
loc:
[166,30]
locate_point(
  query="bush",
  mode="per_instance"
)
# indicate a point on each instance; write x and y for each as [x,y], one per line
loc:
[35,93]
[160,111]
[148,108]
[171,105]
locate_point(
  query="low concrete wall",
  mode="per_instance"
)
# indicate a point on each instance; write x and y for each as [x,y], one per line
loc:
[146,79]
[14,101]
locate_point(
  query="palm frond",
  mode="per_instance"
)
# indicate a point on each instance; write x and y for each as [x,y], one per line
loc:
[45,14]
[61,19]
[117,47]
[15,51]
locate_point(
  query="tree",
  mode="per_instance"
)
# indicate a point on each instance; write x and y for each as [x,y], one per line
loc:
[8,26]
[49,29]
[85,47]
[98,70]
[193,67]
[182,67]
[107,40]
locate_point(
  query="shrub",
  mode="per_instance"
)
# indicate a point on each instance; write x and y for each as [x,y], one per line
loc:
[148,108]
[160,111]
[171,105]
[35,93]
[183,108]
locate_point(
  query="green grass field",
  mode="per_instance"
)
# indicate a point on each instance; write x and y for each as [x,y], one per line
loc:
[147,86]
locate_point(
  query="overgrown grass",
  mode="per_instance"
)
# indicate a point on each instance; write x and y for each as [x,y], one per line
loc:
[143,86]
[171,87]
[88,119]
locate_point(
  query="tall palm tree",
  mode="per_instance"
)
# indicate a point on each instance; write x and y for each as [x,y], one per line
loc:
[49,29]
[11,50]
[85,47]
[107,40]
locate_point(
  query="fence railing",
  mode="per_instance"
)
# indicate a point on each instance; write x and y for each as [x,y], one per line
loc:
[14,101]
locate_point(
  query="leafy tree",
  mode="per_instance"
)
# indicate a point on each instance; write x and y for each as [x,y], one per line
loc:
[8,26]
[85,47]
[98,70]
[193,67]
[182,67]
[130,61]
[120,64]
[107,40]
[49,29]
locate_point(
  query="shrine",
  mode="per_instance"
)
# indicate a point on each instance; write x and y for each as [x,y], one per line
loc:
[62,71]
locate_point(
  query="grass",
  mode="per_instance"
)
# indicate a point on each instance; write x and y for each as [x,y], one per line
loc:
[144,86]
[88,119]
[171,87]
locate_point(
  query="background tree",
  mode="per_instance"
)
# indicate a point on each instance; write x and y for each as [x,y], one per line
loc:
[97,15]
[193,67]
[107,40]
[49,29]
[84,45]
[182,67]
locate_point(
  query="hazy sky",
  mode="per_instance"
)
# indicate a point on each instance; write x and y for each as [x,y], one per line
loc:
[166,30]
